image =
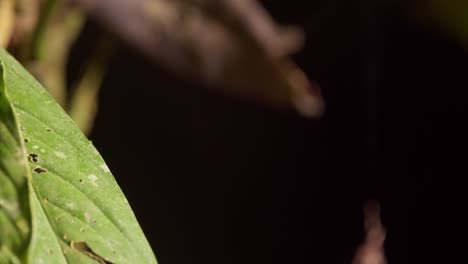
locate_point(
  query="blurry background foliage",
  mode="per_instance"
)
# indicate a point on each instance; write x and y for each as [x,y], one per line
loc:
[232,46]
[450,16]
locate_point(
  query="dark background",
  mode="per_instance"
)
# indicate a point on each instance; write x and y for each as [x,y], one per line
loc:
[213,179]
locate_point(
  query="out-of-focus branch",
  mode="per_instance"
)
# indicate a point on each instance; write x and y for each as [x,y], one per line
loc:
[371,250]
[83,104]
[230,45]
[39,36]
[46,54]
[7,18]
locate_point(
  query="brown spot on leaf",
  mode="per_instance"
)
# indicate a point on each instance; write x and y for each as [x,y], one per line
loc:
[83,248]
[26,140]
[40,170]
[33,157]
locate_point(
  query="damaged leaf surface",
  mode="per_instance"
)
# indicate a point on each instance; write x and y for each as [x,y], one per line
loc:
[59,203]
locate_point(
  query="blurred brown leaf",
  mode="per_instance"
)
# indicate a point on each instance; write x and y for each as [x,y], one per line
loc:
[230,45]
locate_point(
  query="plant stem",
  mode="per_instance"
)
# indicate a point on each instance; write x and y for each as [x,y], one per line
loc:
[83,104]
[48,50]
[7,18]
[39,34]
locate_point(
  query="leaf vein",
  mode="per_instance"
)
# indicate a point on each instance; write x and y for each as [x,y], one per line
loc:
[91,200]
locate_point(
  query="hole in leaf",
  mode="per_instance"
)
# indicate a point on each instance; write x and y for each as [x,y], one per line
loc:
[40,170]
[33,157]
[83,248]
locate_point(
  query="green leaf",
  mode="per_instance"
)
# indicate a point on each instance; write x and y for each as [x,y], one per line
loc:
[59,203]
